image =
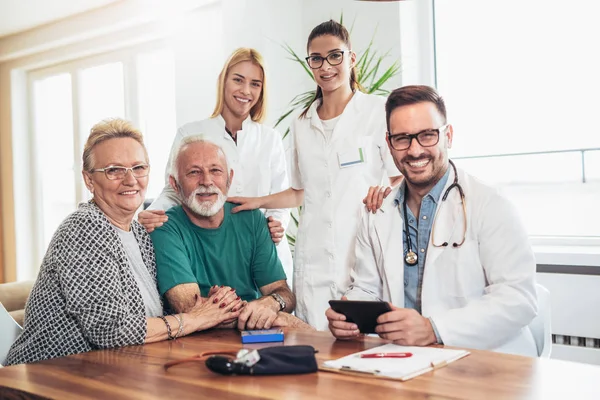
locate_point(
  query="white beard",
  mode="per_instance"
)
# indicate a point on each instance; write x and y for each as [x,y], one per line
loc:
[206,208]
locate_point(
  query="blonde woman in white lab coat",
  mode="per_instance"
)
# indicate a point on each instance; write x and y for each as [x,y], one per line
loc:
[254,150]
[339,152]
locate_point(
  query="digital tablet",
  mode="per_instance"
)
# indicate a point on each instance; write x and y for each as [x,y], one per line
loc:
[363,313]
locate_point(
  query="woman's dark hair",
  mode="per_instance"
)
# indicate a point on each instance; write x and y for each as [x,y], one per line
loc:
[336,29]
[413,94]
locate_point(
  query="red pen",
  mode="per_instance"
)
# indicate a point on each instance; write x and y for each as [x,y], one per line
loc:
[386,355]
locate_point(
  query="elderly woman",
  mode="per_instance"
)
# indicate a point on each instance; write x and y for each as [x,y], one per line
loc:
[97,284]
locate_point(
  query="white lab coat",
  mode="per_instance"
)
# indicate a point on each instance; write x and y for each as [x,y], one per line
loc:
[480,295]
[333,197]
[259,165]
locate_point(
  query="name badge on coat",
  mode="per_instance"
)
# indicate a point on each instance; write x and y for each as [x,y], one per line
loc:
[352,157]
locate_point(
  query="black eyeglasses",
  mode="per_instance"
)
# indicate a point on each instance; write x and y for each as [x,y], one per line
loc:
[116,172]
[333,58]
[426,138]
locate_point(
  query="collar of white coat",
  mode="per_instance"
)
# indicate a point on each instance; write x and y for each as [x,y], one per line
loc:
[453,198]
[353,106]
[245,123]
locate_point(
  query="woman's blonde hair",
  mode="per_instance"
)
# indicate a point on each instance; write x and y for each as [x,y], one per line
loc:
[259,111]
[109,129]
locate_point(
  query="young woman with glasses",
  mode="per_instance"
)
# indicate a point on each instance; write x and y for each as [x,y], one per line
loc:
[339,152]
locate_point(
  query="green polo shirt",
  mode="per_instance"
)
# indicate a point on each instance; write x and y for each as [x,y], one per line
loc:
[239,253]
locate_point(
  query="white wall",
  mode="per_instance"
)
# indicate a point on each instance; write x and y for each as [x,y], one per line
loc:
[199,55]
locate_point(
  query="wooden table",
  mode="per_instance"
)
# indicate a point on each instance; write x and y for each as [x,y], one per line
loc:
[137,372]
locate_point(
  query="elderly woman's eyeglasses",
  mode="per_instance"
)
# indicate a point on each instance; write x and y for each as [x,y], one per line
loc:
[116,172]
[333,58]
[426,138]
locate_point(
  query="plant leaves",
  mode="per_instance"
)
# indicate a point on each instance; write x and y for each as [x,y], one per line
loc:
[284,116]
[387,75]
[296,221]
[291,239]
[296,58]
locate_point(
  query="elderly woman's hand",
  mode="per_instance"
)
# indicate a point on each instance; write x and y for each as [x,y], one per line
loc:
[223,304]
[152,219]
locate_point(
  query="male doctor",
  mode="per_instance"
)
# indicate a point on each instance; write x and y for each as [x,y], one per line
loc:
[447,251]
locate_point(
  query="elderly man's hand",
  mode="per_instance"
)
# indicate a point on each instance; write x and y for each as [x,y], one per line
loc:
[152,219]
[276,230]
[259,314]
[288,320]
[405,327]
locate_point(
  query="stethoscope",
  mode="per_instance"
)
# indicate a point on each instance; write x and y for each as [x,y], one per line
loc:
[411,257]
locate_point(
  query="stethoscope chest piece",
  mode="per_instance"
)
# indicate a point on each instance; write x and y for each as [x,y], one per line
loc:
[411,257]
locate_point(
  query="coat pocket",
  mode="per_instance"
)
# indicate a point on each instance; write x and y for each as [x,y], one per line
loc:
[461,272]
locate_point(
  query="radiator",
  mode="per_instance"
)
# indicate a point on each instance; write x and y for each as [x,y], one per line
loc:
[578,349]
[575,315]
[576,341]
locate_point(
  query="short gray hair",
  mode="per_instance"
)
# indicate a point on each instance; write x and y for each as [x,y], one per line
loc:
[176,152]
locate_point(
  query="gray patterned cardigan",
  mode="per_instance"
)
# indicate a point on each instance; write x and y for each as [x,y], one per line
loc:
[85,296]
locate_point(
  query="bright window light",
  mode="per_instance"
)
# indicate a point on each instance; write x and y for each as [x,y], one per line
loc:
[521,78]
[53,125]
[156,85]
[102,95]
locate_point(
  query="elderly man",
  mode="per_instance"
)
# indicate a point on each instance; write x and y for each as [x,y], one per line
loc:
[203,245]
[447,251]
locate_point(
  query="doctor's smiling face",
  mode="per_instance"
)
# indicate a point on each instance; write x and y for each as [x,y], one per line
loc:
[243,89]
[422,164]
[326,50]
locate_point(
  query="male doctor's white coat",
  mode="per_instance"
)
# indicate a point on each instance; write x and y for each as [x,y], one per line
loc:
[480,295]
[333,193]
[259,168]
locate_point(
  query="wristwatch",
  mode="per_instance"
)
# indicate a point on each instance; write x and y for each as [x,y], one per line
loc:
[280,300]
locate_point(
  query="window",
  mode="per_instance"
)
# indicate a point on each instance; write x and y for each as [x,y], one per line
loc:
[53,124]
[101,95]
[67,100]
[520,82]
[157,113]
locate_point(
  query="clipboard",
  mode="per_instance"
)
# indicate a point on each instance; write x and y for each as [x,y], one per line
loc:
[424,359]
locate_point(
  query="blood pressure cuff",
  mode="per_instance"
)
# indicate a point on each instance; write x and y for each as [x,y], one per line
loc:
[279,360]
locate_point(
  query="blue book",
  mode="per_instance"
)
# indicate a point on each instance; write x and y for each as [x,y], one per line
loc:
[262,336]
